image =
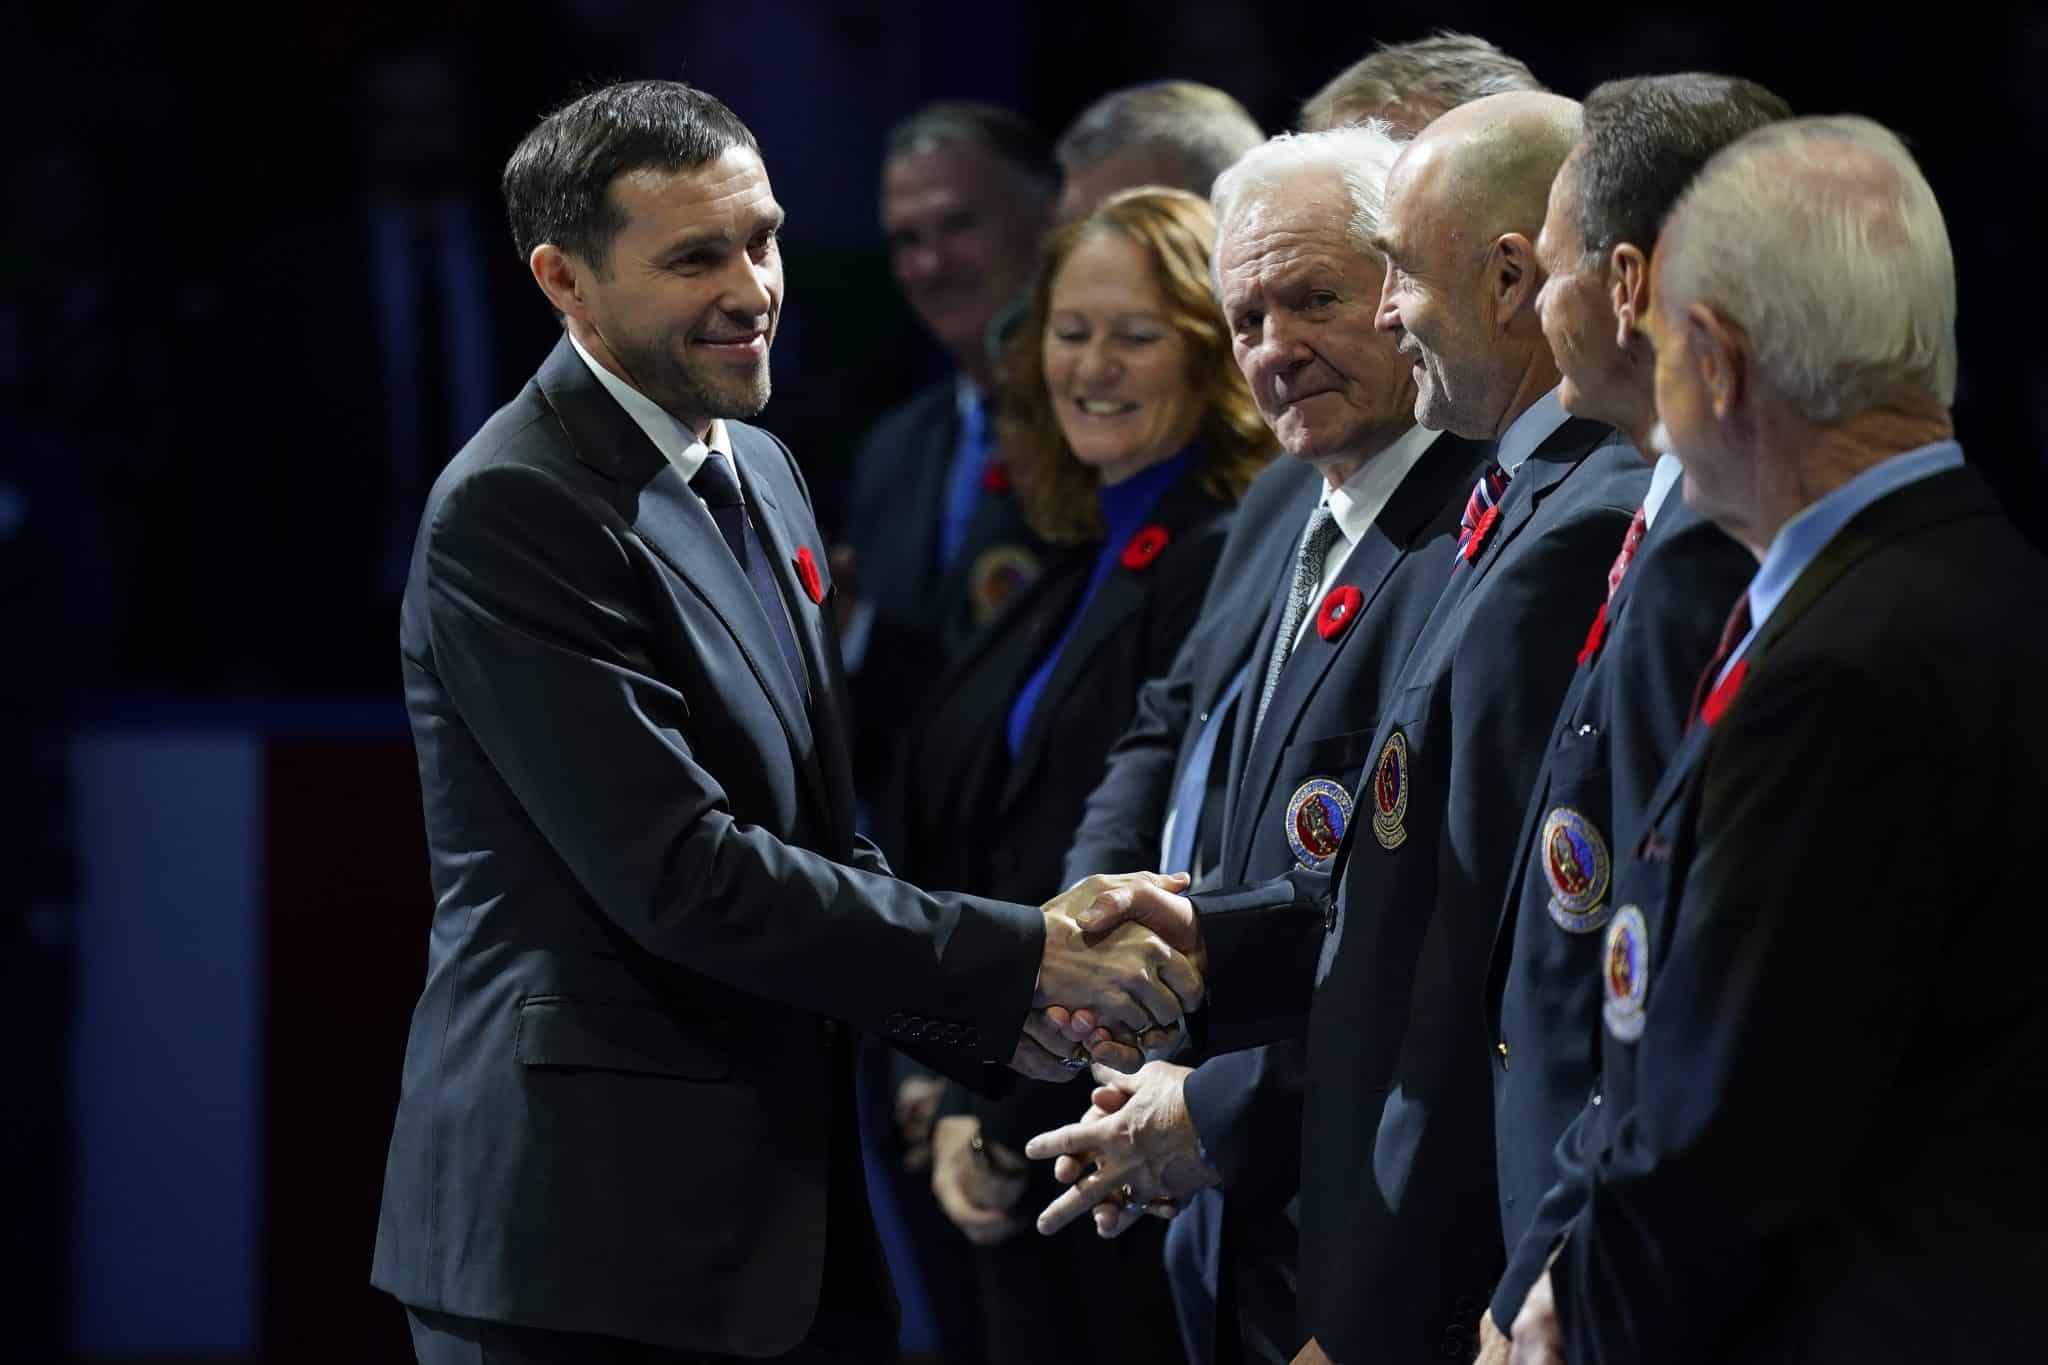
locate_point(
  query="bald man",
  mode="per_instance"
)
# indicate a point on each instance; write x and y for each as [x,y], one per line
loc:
[1400,1234]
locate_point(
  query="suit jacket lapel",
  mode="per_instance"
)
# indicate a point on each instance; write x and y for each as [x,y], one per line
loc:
[1439,476]
[672,522]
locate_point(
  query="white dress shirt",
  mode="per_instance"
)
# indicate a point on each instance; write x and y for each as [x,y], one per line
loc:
[1355,504]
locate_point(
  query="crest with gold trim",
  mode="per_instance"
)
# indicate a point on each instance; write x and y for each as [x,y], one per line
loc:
[1390,792]
[1625,974]
[1576,864]
[1317,815]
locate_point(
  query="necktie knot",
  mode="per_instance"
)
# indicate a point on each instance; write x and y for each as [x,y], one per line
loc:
[1485,494]
[714,482]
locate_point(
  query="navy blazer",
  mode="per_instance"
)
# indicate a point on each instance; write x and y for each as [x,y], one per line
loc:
[1621,721]
[1825,989]
[1399,1243]
[650,903]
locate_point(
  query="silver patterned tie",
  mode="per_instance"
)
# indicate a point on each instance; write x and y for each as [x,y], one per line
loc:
[1316,540]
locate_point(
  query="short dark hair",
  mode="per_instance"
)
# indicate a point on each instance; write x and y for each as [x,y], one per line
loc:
[1644,138]
[1410,84]
[1008,135]
[557,183]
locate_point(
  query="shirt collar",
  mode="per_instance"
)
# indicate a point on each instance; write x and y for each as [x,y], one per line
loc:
[1664,477]
[1360,499]
[1529,431]
[676,442]
[1800,540]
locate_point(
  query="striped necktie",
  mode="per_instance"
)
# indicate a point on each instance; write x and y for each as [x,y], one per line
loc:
[1480,507]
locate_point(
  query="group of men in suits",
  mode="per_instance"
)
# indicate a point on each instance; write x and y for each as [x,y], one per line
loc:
[1554,962]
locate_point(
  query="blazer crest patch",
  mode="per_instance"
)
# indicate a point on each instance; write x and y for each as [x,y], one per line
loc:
[1577,866]
[1317,815]
[1625,974]
[1390,792]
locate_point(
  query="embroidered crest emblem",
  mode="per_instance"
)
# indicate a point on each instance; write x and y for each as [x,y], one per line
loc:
[995,576]
[1339,610]
[1390,792]
[1576,864]
[1625,973]
[1317,815]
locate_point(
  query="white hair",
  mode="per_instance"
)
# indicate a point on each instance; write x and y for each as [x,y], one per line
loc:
[1822,240]
[1361,154]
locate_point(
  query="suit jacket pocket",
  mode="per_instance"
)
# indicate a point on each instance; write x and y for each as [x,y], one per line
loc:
[609,1035]
[1338,757]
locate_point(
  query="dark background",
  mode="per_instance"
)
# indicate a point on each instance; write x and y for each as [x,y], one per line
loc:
[186,374]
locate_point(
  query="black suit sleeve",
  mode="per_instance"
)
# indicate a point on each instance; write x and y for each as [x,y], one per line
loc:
[1262,943]
[535,635]
[1795,981]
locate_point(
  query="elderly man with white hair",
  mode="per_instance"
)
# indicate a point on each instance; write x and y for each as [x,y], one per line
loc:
[1243,760]
[1826,987]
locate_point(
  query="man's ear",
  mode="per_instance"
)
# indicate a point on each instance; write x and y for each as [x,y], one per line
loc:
[1512,277]
[560,277]
[1628,290]
[1720,349]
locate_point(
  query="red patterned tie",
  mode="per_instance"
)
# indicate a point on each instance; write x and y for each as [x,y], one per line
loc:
[1598,630]
[1480,510]
[1708,698]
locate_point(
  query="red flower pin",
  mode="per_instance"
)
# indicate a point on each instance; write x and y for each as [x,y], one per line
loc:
[995,478]
[1145,547]
[1339,609]
[1481,529]
[1594,636]
[807,572]
[1724,692]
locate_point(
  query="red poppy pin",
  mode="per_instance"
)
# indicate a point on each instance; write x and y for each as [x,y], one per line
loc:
[1144,547]
[1480,531]
[995,478]
[807,571]
[1338,611]
[1724,692]
[1594,635]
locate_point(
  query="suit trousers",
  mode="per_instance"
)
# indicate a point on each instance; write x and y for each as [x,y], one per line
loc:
[442,1339]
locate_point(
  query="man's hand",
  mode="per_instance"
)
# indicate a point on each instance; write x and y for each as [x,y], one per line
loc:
[1121,965]
[1494,1345]
[975,1188]
[1537,1338]
[1143,1143]
[917,1105]
[1123,977]
[1312,1354]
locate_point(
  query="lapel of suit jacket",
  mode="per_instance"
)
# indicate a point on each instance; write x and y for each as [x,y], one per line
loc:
[1560,453]
[1445,470]
[1121,597]
[672,522]
[762,474]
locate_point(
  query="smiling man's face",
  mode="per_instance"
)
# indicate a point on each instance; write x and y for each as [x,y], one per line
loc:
[1299,293]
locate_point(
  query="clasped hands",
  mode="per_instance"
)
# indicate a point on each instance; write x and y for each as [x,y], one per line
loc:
[1122,965]
[1135,1152]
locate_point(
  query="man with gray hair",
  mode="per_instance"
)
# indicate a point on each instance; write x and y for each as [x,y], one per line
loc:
[1673,576]
[1411,84]
[1826,991]
[1181,134]
[1243,760]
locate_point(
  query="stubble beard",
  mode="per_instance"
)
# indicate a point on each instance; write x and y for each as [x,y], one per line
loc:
[686,391]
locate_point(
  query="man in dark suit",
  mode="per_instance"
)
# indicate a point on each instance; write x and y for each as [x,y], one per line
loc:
[1398,1236]
[624,1127]
[1181,134]
[1673,577]
[1826,987]
[934,542]
[1195,784]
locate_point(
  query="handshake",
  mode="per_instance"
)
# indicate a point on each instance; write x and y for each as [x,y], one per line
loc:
[1123,963]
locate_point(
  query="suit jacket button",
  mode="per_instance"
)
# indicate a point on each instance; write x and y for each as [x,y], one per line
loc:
[893,1025]
[913,1027]
[1330,915]
[973,1039]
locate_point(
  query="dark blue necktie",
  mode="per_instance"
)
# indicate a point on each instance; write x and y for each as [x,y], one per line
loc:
[721,494]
